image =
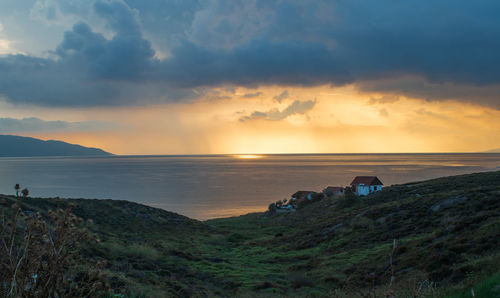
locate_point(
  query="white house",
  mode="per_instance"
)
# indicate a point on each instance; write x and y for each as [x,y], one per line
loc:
[364,185]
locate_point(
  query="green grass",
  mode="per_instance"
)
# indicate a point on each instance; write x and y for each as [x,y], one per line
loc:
[320,250]
[487,288]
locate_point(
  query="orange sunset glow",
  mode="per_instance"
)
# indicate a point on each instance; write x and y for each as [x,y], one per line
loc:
[248,78]
[342,120]
[249,148]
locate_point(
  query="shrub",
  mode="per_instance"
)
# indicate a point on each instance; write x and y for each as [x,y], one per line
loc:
[348,200]
[42,257]
[142,251]
[272,208]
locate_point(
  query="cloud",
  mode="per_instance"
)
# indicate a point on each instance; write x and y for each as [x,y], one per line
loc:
[255,115]
[424,112]
[126,56]
[164,21]
[417,87]
[283,95]
[295,108]
[12,125]
[384,99]
[55,12]
[89,69]
[250,43]
[252,95]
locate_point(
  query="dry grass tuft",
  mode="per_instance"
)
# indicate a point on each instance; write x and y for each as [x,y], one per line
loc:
[41,257]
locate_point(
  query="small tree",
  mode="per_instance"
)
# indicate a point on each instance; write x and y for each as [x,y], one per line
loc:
[17,187]
[272,208]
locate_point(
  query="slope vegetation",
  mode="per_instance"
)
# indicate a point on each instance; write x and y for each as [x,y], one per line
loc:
[436,237]
[446,232]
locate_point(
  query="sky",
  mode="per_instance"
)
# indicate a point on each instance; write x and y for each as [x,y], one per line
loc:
[252,76]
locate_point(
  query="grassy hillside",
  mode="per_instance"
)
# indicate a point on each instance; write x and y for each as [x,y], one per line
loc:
[447,235]
[148,250]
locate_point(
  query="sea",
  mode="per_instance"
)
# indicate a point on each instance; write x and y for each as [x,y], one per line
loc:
[213,186]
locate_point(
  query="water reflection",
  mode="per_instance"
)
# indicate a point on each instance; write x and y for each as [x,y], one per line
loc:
[214,186]
[248,156]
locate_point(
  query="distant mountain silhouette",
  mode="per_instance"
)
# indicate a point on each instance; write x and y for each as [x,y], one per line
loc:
[16,146]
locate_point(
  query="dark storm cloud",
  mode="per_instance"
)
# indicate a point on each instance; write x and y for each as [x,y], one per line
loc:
[256,62]
[420,88]
[125,56]
[447,45]
[88,69]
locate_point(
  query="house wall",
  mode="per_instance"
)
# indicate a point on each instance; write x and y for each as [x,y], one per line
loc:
[363,190]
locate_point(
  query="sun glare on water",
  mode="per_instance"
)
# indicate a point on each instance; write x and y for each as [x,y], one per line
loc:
[248,156]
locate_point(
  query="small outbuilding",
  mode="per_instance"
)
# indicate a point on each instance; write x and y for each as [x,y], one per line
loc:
[331,191]
[364,185]
[302,195]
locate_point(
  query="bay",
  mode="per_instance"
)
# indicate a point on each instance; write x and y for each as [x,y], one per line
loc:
[211,186]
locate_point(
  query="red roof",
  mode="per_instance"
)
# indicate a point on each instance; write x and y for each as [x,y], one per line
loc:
[366,180]
[301,194]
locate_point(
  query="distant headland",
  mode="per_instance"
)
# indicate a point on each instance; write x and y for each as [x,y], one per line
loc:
[17,146]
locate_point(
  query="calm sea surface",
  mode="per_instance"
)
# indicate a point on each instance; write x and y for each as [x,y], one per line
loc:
[205,187]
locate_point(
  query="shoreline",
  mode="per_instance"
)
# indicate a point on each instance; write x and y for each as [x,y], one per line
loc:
[228,217]
[443,228]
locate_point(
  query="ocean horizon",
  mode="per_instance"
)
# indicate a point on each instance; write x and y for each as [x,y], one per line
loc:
[223,185]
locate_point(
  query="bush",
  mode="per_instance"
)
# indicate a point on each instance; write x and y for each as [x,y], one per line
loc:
[272,208]
[42,257]
[142,252]
[347,201]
